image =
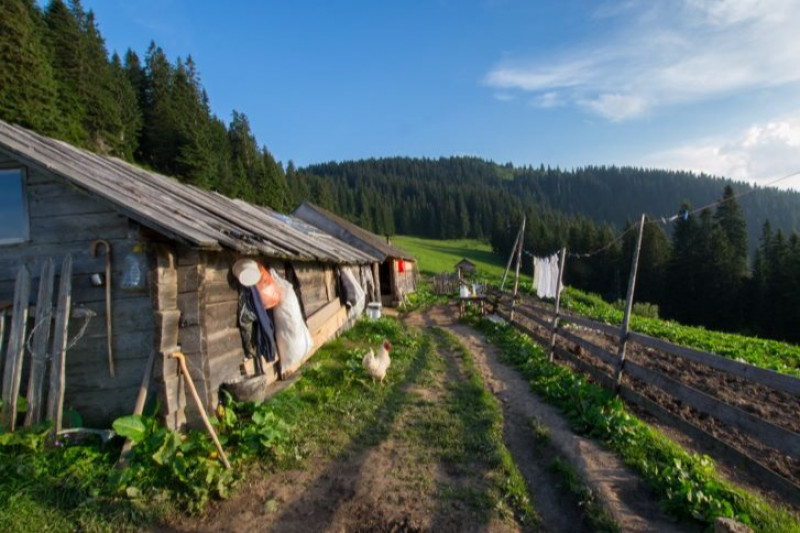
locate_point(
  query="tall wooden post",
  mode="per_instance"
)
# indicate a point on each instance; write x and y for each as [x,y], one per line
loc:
[623,337]
[511,256]
[516,272]
[561,265]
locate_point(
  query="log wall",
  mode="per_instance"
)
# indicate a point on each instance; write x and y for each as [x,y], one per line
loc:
[65,220]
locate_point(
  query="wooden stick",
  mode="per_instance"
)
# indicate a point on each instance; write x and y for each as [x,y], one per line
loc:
[623,337]
[55,398]
[109,335]
[12,374]
[41,334]
[138,407]
[516,272]
[182,361]
[511,258]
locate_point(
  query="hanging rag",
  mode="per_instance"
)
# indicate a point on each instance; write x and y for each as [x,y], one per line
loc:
[401,266]
[255,327]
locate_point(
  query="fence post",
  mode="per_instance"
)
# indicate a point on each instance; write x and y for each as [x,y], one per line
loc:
[561,265]
[623,337]
[511,257]
[516,273]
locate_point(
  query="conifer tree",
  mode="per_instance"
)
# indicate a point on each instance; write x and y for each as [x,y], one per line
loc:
[65,43]
[27,85]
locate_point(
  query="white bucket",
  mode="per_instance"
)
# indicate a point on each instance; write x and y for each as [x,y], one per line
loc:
[374,310]
[246,271]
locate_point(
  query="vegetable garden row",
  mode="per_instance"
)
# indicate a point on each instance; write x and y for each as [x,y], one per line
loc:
[746,414]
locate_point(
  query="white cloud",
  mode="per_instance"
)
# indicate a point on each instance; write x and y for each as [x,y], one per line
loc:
[548,100]
[671,52]
[504,97]
[761,154]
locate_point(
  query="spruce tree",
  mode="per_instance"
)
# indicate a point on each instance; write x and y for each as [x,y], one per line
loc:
[27,85]
[67,50]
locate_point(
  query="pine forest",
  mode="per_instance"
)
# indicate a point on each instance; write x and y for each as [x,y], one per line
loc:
[734,265]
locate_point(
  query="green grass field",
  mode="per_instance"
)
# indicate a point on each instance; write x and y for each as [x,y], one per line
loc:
[441,256]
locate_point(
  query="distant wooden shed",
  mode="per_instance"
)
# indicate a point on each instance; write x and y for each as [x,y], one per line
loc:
[395,268]
[465,266]
[186,239]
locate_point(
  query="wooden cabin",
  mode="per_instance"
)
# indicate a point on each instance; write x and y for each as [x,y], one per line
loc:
[465,267]
[396,269]
[172,246]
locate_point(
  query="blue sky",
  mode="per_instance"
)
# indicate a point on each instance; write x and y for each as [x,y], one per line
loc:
[704,85]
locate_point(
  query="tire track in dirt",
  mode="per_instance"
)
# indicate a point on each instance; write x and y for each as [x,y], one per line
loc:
[622,492]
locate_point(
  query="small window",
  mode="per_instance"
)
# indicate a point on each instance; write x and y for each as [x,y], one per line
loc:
[13,207]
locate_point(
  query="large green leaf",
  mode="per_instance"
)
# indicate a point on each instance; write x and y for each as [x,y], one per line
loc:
[130,426]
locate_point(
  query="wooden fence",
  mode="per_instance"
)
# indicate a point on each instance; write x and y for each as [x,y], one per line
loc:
[785,441]
[37,342]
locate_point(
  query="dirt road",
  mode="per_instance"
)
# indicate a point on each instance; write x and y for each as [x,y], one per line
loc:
[398,484]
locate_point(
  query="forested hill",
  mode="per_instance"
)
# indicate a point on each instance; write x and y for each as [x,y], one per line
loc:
[461,196]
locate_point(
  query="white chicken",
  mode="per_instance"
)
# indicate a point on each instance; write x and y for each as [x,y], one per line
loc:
[376,366]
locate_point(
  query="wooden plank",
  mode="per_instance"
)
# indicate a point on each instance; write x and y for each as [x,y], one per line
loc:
[775,481]
[603,379]
[318,319]
[167,325]
[222,315]
[590,347]
[12,373]
[593,324]
[219,292]
[55,398]
[769,378]
[91,377]
[774,436]
[41,334]
[534,317]
[189,306]
[34,254]
[223,342]
[79,228]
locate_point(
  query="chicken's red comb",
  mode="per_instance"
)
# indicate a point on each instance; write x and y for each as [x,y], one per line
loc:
[387,344]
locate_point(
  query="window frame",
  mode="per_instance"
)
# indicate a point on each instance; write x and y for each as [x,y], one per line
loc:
[26,215]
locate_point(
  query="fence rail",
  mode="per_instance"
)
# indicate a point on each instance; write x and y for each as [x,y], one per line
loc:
[783,440]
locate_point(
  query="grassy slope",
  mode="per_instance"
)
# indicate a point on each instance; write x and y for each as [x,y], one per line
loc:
[441,256]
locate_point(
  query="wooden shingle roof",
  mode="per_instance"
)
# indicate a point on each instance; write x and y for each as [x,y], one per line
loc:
[375,244]
[197,217]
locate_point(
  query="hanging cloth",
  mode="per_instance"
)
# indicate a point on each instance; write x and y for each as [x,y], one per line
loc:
[263,329]
[401,266]
[554,270]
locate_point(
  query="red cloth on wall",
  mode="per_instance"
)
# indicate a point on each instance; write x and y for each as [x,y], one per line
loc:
[401,266]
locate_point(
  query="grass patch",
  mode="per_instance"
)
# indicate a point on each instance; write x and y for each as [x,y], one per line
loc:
[434,256]
[687,483]
[598,516]
[481,435]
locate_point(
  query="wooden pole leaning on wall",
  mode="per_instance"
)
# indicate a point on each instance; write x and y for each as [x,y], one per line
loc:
[516,272]
[561,264]
[55,395]
[185,371]
[623,337]
[12,372]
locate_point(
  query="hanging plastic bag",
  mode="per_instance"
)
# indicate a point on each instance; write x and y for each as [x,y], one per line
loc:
[291,333]
[268,290]
[355,298]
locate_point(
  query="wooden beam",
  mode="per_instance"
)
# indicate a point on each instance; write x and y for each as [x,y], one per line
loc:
[773,436]
[12,373]
[55,399]
[41,334]
[768,378]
